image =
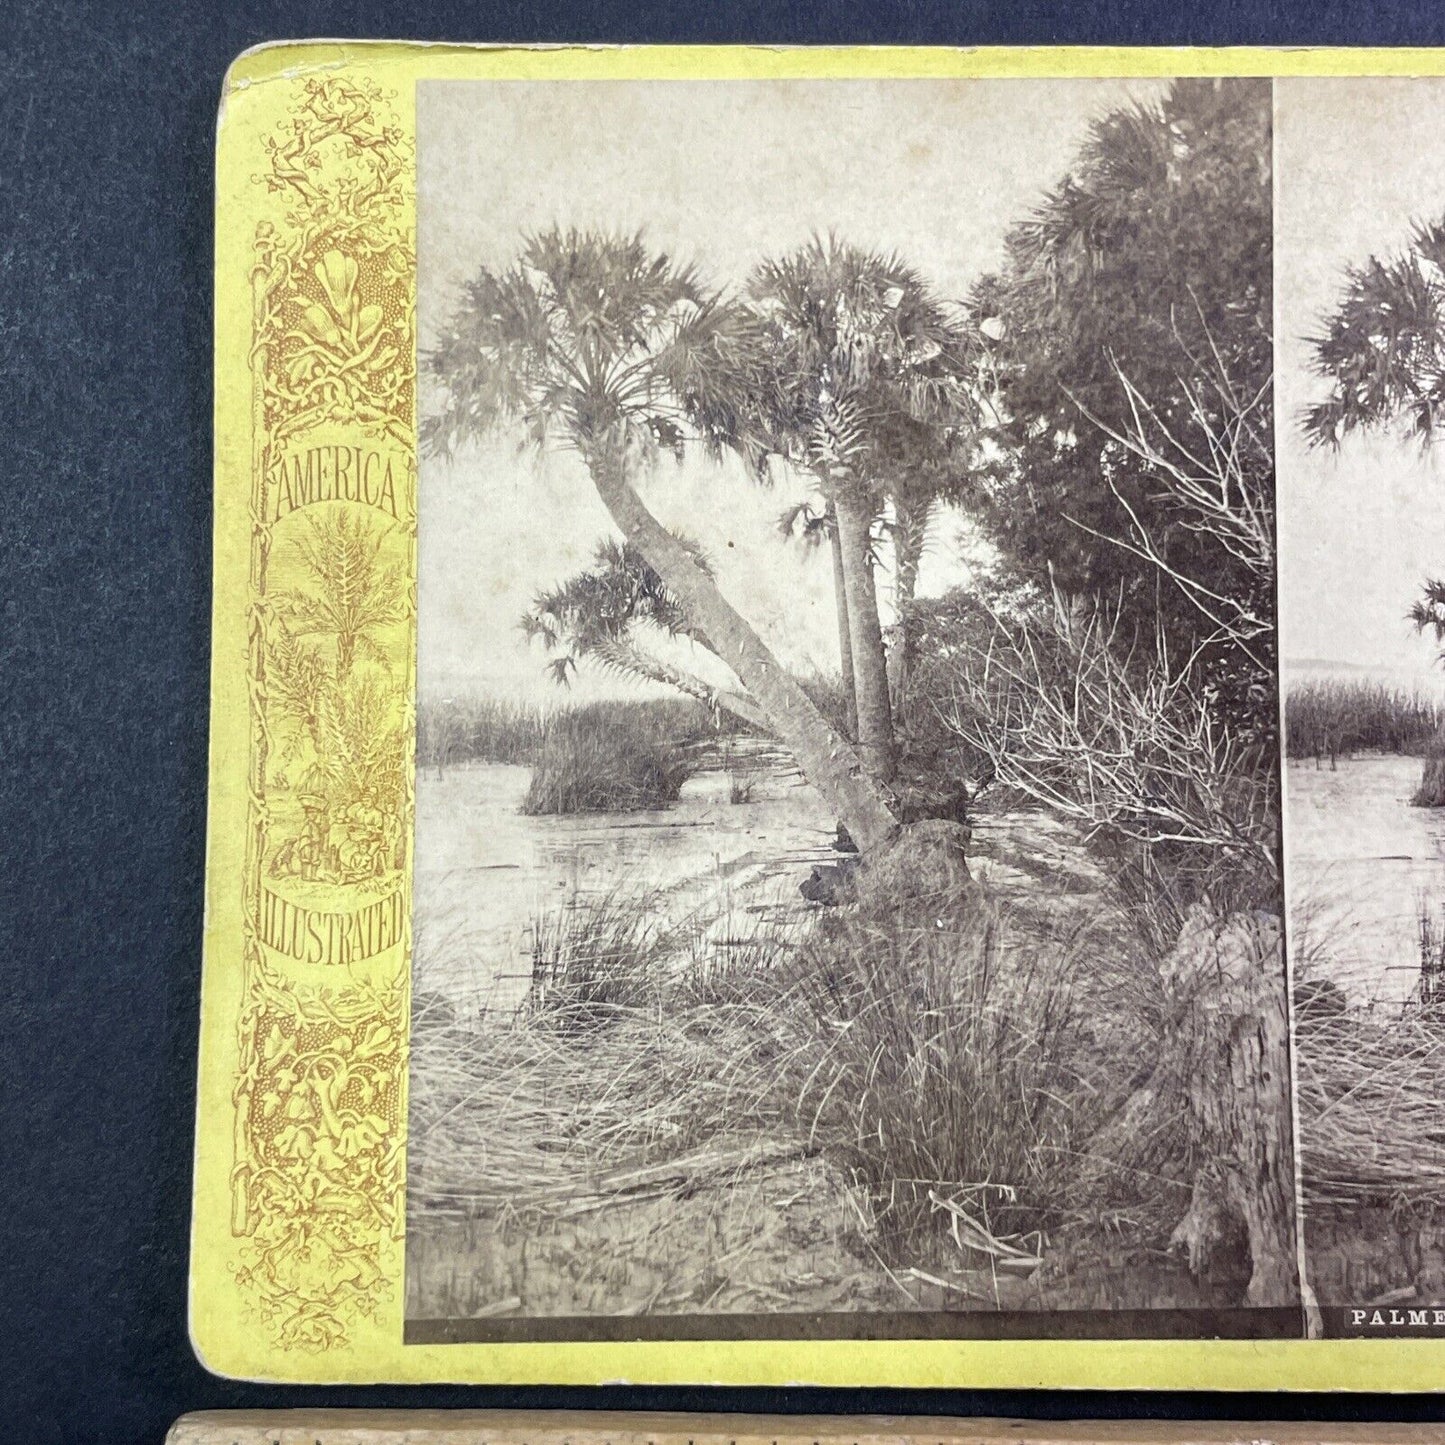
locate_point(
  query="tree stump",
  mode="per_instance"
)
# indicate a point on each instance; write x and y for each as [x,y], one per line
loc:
[1227,1047]
[923,870]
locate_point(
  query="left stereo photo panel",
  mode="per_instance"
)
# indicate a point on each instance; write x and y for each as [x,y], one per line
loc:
[846,885]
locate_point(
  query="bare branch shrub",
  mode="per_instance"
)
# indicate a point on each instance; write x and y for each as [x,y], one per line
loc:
[1149,739]
[1121,739]
[1210,455]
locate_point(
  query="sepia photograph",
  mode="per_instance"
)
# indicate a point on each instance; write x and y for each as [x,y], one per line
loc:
[1361,284]
[847,886]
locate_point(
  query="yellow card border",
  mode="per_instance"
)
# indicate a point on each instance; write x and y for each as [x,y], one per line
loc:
[315,370]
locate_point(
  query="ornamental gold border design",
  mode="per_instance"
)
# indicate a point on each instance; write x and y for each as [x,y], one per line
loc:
[317,1180]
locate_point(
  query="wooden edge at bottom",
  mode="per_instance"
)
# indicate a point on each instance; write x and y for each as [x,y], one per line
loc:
[565,1427]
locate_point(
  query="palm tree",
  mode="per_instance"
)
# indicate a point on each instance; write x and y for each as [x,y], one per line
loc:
[1383,350]
[353,595]
[924,459]
[596,342]
[812,525]
[1383,346]
[597,614]
[865,372]
[909,531]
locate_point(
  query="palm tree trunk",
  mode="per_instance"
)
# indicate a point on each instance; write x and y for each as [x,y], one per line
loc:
[910,526]
[870,664]
[845,636]
[825,758]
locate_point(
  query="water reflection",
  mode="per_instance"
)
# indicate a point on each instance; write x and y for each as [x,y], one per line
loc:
[1361,864]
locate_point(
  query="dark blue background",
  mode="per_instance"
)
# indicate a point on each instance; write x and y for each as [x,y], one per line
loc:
[106,125]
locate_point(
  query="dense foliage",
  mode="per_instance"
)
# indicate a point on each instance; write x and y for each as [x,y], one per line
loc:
[1135,303]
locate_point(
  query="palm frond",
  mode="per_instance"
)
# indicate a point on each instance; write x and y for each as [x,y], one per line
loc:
[1428,613]
[808,523]
[589,332]
[1383,345]
[860,354]
[602,603]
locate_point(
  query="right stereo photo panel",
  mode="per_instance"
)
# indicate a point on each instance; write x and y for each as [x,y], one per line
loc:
[1360,335]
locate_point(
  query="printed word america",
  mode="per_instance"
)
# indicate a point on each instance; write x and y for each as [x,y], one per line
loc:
[334,474]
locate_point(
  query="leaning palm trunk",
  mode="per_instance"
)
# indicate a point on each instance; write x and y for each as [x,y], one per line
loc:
[825,758]
[876,743]
[910,526]
[845,636]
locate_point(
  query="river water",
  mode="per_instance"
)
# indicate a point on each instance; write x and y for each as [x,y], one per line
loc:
[486,874]
[1361,865]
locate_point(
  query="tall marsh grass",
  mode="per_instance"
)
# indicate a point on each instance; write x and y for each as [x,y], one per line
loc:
[1370,1080]
[950,1064]
[1333,718]
[453,731]
[1369,1090]
[593,962]
[475,729]
[946,1058]
[616,756]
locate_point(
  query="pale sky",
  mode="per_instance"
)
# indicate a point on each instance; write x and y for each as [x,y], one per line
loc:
[1356,162]
[724,173]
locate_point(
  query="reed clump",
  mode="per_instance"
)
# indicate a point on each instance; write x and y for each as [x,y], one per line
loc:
[1431,792]
[948,1061]
[593,963]
[605,759]
[1370,1079]
[456,730]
